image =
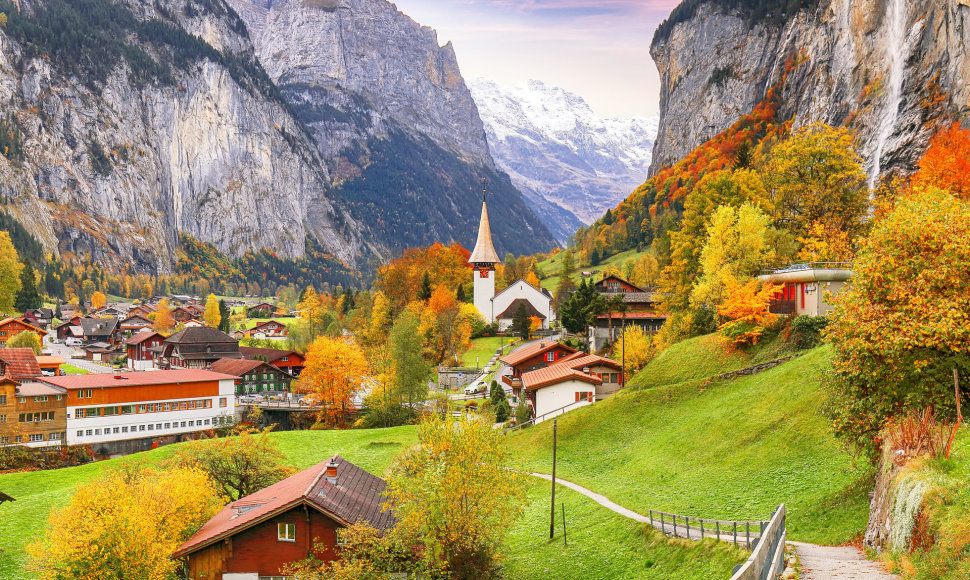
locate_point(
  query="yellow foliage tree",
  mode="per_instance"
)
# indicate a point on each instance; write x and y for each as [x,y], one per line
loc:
[645,271]
[334,372]
[746,309]
[125,525]
[163,317]
[825,243]
[535,323]
[532,280]
[313,310]
[634,348]
[28,339]
[98,300]
[212,317]
[10,268]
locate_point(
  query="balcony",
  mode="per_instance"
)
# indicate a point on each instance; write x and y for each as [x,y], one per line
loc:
[514,382]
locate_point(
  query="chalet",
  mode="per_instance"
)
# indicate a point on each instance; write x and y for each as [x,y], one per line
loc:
[31,414]
[11,327]
[101,330]
[103,351]
[270,329]
[574,381]
[532,356]
[133,324]
[50,366]
[197,310]
[70,328]
[19,364]
[261,310]
[183,314]
[138,349]
[640,308]
[104,408]
[804,287]
[39,317]
[254,376]
[68,311]
[142,310]
[112,311]
[195,348]
[303,515]
[289,361]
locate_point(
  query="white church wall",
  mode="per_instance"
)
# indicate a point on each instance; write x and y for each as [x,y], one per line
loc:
[521,289]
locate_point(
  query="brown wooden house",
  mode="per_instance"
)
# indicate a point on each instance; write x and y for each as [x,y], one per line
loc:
[11,327]
[303,515]
[195,348]
[32,414]
[536,355]
[254,376]
[289,361]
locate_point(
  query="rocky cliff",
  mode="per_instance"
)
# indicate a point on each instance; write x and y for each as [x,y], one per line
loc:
[570,164]
[888,68]
[125,123]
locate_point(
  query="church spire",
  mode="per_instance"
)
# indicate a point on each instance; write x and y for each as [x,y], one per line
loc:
[484,252]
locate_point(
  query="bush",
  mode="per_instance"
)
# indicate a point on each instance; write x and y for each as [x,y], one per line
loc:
[806,331]
[389,415]
[502,411]
[522,412]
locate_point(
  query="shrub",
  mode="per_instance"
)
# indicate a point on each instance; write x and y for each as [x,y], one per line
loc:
[806,331]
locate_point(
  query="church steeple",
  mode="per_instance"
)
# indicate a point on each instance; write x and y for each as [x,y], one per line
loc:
[483,260]
[484,252]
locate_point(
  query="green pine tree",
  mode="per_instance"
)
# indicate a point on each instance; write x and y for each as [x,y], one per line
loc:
[27,297]
[520,322]
[425,292]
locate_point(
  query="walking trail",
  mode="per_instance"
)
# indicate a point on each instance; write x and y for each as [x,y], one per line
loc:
[818,562]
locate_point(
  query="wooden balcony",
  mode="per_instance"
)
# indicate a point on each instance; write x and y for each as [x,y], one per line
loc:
[514,382]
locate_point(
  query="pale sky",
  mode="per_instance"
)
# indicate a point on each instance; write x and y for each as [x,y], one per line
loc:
[598,49]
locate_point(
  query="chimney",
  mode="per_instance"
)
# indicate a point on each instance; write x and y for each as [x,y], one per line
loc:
[332,472]
[586,370]
[117,375]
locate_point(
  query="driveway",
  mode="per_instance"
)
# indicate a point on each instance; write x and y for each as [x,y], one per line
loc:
[64,351]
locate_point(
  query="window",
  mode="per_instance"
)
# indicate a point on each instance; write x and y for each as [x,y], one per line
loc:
[168,425]
[285,358]
[3,419]
[183,423]
[286,532]
[191,423]
[87,433]
[142,427]
[151,427]
[90,412]
[40,399]
[222,402]
[97,431]
[124,429]
[584,396]
[36,437]
[60,397]
[21,399]
[80,433]
[54,437]
[3,399]
[116,430]
[550,356]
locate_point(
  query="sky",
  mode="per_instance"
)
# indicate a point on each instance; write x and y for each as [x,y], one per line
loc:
[598,49]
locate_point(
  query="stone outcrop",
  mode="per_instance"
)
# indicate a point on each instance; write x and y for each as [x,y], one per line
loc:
[887,68]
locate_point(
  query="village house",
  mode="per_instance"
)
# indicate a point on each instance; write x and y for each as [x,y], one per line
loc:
[11,327]
[195,348]
[576,380]
[289,361]
[270,329]
[183,314]
[139,351]
[254,376]
[305,514]
[70,328]
[108,408]
[143,310]
[100,330]
[31,414]
[39,317]
[532,356]
[640,308]
[19,364]
[133,324]
[804,287]
[261,310]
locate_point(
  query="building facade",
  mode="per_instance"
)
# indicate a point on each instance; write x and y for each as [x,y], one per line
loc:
[806,288]
[32,414]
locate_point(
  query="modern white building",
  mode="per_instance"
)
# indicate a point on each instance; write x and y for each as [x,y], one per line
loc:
[121,406]
[805,287]
[501,307]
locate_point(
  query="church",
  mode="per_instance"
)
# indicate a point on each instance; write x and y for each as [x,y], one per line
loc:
[501,307]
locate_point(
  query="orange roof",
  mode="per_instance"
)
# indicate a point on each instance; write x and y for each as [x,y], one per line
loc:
[135,379]
[544,377]
[530,350]
[357,496]
[49,360]
[588,360]
[19,363]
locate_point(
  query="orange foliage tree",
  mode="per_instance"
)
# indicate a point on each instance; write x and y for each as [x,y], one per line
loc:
[400,280]
[746,309]
[164,322]
[334,372]
[946,163]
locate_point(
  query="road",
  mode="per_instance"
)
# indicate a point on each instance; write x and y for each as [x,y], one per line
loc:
[64,351]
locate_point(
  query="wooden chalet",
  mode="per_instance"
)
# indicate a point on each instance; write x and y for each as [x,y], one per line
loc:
[70,328]
[133,323]
[261,310]
[289,361]
[31,413]
[101,330]
[142,310]
[195,348]
[254,376]
[183,314]
[536,355]
[303,515]
[640,309]
[139,347]
[39,317]
[11,327]
[268,329]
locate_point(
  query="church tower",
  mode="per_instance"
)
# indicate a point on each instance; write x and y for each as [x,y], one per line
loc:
[483,260]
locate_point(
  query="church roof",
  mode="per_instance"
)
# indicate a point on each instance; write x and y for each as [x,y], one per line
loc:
[529,309]
[484,252]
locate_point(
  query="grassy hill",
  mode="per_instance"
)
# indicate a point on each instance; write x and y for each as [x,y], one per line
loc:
[727,450]
[553,266]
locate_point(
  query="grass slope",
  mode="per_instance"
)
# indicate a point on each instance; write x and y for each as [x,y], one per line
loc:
[728,450]
[37,492]
[483,349]
[705,356]
[602,544]
[553,266]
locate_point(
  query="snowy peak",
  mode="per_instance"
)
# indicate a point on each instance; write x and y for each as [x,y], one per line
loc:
[571,164]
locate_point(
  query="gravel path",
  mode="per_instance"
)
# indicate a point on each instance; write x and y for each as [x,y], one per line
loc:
[838,562]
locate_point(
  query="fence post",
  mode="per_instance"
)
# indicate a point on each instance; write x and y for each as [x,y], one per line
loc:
[675,524]
[747,533]
[735,534]
[702,528]
[663,528]
[651,518]
[687,524]
[717,527]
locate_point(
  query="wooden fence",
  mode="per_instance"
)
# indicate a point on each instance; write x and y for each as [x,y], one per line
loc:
[767,559]
[743,534]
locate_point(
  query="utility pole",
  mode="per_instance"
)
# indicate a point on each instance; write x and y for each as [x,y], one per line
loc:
[552,515]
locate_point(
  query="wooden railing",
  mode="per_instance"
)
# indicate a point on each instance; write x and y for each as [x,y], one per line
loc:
[744,534]
[767,560]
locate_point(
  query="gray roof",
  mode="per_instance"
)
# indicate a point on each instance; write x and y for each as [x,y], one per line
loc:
[99,326]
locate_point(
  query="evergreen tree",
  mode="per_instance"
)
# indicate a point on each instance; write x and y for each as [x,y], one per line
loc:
[594,257]
[521,323]
[743,159]
[503,411]
[57,309]
[496,393]
[28,296]
[460,294]
[425,292]
[224,315]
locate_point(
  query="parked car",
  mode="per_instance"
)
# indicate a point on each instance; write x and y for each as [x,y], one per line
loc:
[73,341]
[475,388]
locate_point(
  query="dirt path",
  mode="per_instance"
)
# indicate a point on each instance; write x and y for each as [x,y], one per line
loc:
[841,563]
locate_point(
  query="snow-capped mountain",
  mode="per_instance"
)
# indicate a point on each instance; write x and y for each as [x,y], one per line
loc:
[570,164]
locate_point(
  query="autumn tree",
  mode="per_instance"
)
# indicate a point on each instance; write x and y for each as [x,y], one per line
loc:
[26,339]
[825,243]
[456,496]
[211,316]
[125,524]
[334,373]
[902,326]
[10,267]
[27,297]
[164,322]
[410,371]
[946,163]
[401,279]
[367,554]
[816,175]
[238,465]
[634,348]
[745,307]
[313,310]
[98,300]
[533,280]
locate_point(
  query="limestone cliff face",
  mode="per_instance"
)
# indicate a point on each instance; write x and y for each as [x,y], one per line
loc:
[875,65]
[327,53]
[207,154]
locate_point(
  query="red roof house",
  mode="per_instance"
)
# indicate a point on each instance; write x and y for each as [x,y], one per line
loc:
[19,363]
[288,521]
